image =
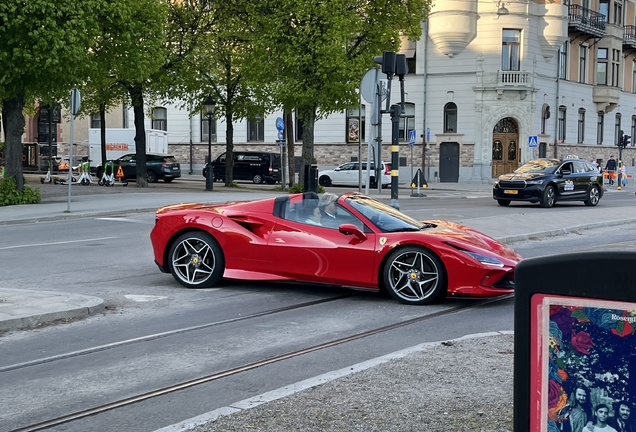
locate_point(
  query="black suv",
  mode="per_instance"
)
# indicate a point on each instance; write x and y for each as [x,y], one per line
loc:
[257,167]
[158,166]
[547,181]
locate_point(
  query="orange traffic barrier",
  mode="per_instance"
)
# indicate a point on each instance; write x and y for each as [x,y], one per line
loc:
[607,174]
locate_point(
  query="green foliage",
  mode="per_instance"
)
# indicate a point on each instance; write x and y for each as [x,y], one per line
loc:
[299,188]
[9,194]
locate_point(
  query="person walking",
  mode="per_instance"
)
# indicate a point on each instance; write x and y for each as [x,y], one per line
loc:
[594,163]
[610,167]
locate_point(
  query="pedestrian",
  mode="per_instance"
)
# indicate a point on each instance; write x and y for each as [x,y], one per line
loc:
[610,167]
[578,411]
[621,420]
[594,163]
[623,176]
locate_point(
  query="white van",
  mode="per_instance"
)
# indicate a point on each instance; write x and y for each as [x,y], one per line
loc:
[347,174]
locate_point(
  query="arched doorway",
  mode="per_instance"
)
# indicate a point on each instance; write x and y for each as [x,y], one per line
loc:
[505,147]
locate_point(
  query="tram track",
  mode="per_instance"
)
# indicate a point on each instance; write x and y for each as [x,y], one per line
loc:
[83,413]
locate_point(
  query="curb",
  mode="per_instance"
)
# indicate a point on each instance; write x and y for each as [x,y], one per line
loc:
[562,231]
[85,305]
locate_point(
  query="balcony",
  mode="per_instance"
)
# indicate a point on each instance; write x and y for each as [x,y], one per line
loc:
[605,97]
[585,21]
[629,37]
[514,79]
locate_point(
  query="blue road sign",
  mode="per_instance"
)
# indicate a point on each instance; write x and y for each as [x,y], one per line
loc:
[280,135]
[533,141]
[412,137]
[280,124]
[428,134]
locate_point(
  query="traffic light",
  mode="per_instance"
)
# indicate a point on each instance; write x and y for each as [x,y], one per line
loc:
[619,142]
[626,139]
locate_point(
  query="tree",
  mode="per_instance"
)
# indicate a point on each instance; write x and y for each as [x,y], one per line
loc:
[319,50]
[217,58]
[44,53]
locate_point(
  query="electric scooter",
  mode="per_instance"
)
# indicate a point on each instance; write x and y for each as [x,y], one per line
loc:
[108,176]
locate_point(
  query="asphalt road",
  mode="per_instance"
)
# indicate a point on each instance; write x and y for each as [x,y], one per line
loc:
[111,258]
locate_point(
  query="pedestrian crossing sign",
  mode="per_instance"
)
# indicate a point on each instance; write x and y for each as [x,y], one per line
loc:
[412,137]
[533,141]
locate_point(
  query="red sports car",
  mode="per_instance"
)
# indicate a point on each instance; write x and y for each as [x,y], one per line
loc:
[351,240]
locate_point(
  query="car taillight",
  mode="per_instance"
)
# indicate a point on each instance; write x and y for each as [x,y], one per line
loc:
[387,170]
[164,165]
[271,169]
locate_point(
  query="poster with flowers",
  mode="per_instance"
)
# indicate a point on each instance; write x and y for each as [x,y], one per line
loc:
[585,355]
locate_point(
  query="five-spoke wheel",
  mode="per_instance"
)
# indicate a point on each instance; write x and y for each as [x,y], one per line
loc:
[593,196]
[548,197]
[196,260]
[414,275]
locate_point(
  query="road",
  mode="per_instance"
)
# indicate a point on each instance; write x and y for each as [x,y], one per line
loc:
[156,333]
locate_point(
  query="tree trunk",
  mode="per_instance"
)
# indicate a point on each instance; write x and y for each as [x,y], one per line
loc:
[307,116]
[289,131]
[137,98]
[13,119]
[229,147]
[102,132]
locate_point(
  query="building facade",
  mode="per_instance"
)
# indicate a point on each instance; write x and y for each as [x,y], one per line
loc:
[484,79]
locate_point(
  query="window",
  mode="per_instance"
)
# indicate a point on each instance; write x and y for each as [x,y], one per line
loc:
[204,128]
[634,76]
[160,119]
[407,121]
[256,129]
[356,125]
[450,117]
[563,60]
[561,124]
[299,127]
[600,126]
[616,65]
[581,126]
[510,50]
[603,8]
[601,66]
[617,128]
[618,12]
[583,64]
[96,121]
[545,115]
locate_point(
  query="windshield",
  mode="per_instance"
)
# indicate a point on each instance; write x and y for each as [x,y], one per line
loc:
[382,216]
[539,166]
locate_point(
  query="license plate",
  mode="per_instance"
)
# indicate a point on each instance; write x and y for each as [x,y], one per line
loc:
[511,192]
[175,168]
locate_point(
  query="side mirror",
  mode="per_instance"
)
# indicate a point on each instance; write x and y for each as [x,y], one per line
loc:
[351,229]
[336,169]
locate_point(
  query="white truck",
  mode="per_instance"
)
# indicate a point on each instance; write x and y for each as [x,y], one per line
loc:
[122,141]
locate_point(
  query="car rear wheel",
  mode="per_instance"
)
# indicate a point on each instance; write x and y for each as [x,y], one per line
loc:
[151,176]
[547,199]
[324,180]
[414,275]
[257,178]
[503,203]
[593,197]
[196,260]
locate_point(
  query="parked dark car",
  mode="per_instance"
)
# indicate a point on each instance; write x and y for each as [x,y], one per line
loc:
[257,167]
[547,181]
[158,166]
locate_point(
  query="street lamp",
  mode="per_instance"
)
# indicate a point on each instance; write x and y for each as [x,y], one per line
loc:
[210,104]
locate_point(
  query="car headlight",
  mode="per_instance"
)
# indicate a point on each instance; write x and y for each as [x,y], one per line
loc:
[535,182]
[484,259]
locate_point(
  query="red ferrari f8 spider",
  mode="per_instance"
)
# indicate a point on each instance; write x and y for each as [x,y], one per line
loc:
[351,240]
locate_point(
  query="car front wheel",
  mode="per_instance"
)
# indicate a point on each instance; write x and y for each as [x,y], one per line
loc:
[196,260]
[414,275]
[548,197]
[593,197]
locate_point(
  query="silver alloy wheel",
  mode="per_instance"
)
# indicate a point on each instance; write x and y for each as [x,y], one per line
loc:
[257,179]
[193,261]
[594,196]
[413,275]
[548,197]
